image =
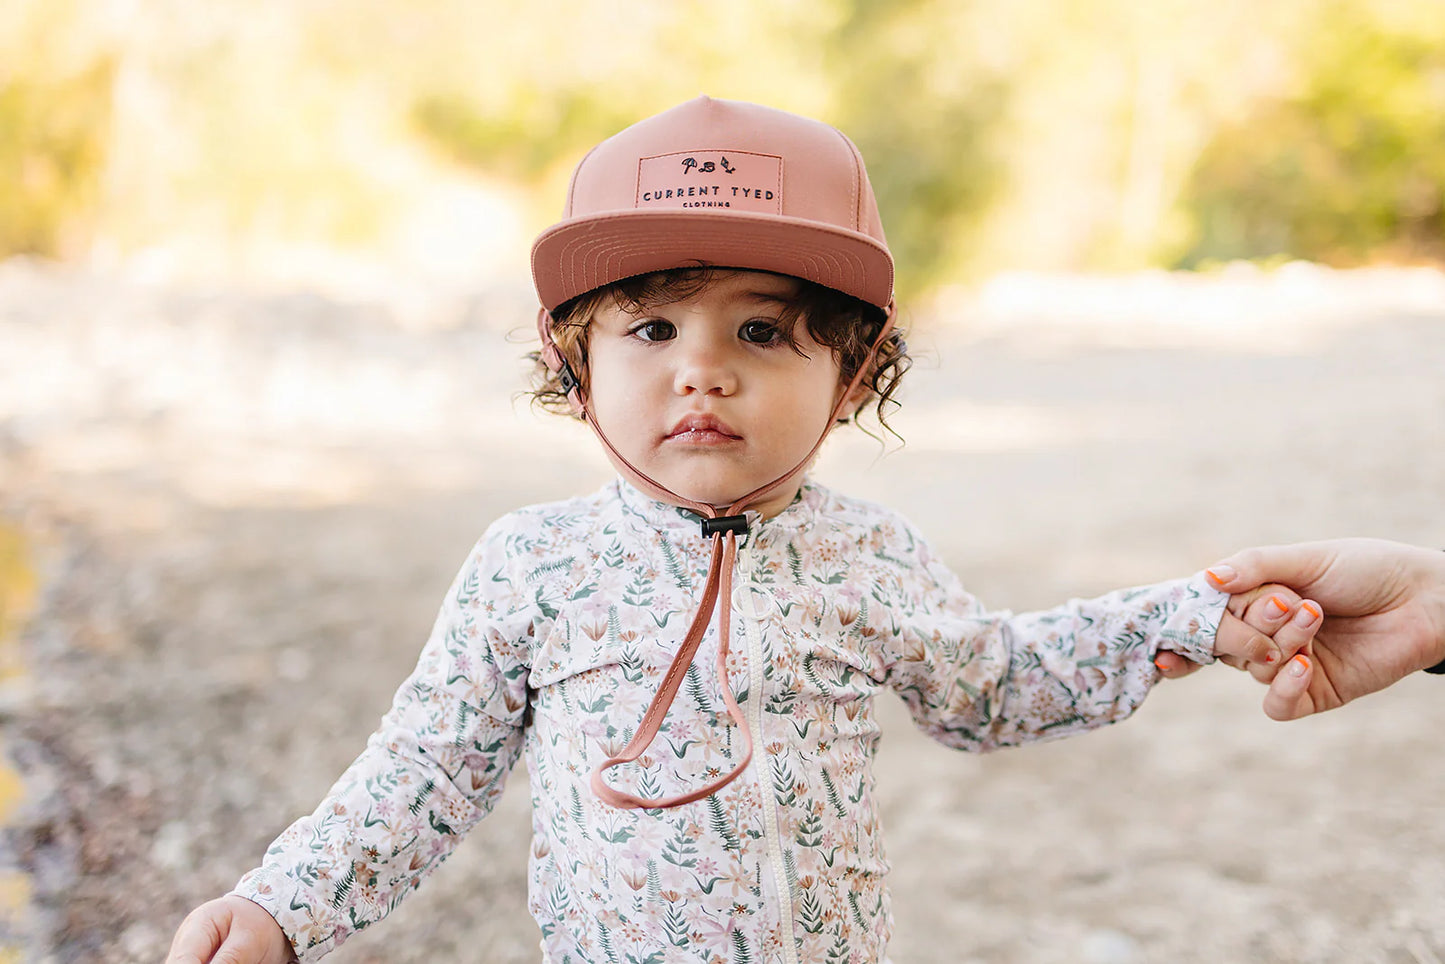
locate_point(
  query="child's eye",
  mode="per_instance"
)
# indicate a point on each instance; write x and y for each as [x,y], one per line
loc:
[655,329]
[759,332]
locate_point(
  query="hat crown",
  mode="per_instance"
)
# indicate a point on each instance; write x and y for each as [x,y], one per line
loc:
[718,182]
[738,153]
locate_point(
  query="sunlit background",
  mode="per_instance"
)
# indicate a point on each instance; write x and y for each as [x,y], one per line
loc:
[286,138]
[1173,271]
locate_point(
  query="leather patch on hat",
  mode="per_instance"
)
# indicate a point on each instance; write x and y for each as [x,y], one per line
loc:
[736,180]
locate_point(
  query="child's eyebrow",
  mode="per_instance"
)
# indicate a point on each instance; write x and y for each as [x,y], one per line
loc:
[761,294]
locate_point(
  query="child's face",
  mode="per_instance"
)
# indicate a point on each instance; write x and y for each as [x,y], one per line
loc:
[706,396]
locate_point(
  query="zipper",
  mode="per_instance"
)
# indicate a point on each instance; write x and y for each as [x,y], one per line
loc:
[751,613]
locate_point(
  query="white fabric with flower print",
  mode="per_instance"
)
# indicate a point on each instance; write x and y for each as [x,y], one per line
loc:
[550,643]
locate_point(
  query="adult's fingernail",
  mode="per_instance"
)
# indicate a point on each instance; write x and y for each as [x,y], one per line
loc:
[1299,665]
[1159,664]
[1308,613]
[1219,575]
[1279,606]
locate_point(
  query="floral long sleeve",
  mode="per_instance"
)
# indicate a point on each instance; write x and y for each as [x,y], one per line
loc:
[553,640]
[434,767]
[979,680]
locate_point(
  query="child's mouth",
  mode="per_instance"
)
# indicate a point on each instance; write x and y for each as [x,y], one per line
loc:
[702,430]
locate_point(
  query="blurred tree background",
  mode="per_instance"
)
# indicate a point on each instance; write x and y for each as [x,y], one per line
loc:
[235,136]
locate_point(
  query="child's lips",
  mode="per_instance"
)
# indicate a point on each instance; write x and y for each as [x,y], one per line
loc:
[702,430]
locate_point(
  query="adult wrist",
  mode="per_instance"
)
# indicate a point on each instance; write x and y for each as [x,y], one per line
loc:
[1439,668]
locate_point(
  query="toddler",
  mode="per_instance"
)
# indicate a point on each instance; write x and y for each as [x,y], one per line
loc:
[689,658]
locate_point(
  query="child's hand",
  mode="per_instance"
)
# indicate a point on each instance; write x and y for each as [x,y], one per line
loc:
[1272,611]
[1260,632]
[230,930]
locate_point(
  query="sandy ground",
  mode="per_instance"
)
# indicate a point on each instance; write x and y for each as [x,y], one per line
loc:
[244,507]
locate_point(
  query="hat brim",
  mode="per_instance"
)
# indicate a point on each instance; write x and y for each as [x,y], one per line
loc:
[576,256]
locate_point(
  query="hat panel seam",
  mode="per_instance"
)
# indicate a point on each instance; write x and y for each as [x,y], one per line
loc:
[577,173]
[857,199]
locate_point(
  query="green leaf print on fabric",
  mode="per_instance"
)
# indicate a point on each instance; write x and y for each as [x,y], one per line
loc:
[673,566]
[639,591]
[810,830]
[781,701]
[547,610]
[344,887]
[832,790]
[785,785]
[810,912]
[741,953]
[553,636]
[721,825]
[469,588]
[680,849]
[674,924]
[420,801]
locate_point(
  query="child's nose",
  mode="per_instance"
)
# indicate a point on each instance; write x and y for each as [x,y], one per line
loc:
[705,370]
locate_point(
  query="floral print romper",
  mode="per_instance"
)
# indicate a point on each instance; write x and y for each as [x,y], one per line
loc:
[551,643]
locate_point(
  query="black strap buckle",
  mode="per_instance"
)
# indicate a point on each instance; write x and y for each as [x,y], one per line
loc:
[567,378]
[725,523]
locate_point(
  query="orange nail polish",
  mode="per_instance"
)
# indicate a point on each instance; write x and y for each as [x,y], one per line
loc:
[1280,603]
[1216,578]
[1299,665]
[1313,610]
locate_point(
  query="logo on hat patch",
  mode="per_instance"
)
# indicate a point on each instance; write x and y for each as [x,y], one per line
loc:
[707,167]
[739,180]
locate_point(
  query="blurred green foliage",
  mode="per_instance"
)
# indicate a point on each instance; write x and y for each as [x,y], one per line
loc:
[928,150]
[52,153]
[1350,167]
[928,145]
[1034,133]
[522,142]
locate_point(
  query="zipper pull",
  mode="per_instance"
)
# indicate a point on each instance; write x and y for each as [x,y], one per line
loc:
[745,561]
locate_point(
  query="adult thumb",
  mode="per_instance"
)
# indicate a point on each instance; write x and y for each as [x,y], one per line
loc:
[1293,565]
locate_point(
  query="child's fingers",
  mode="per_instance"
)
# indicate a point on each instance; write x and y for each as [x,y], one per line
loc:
[1242,646]
[1267,610]
[1174,666]
[1241,601]
[199,937]
[230,930]
[1288,697]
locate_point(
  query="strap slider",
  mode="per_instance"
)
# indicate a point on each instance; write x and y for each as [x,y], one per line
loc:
[725,523]
[567,378]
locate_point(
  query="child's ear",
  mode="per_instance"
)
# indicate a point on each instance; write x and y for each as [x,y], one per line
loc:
[854,401]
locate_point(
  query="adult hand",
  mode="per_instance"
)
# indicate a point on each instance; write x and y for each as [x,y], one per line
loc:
[1384,616]
[230,930]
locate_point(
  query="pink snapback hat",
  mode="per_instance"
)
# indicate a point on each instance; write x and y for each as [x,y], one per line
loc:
[722,183]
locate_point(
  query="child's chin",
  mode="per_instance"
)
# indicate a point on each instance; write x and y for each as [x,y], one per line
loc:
[714,496]
[721,499]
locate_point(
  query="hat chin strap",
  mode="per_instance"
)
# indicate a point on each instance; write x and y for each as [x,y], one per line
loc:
[723,528]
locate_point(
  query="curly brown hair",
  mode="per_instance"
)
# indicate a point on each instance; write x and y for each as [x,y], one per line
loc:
[839,322]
